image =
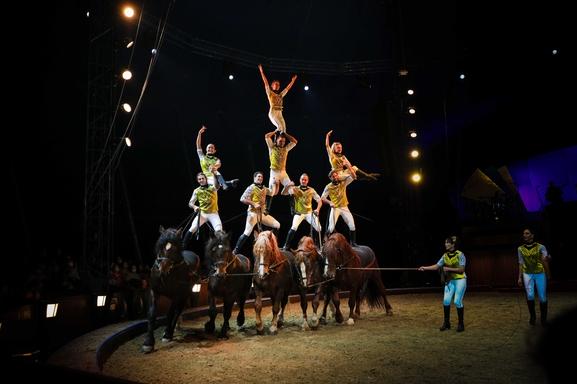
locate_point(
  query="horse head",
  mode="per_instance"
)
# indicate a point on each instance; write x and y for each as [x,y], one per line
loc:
[307,261]
[338,253]
[218,253]
[266,253]
[168,249]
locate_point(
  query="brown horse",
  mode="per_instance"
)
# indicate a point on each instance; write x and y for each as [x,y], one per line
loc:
[273,277]
[351,269]
[308,273]
[229,279]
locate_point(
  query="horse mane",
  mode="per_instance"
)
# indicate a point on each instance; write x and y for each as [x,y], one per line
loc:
[268,240]
[305,248]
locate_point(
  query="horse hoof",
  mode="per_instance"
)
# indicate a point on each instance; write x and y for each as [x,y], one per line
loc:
[389,312]
[323,321]
[209,327]
[147,348]
[339,319]
[166,340]
[351,321]
[260,331]
[306,326]
[273,330]
[223,336]
[240,320]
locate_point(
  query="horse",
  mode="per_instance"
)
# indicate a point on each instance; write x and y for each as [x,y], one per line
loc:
[347,265]
[229,279]
[272,277]
[173,274]
[308,273]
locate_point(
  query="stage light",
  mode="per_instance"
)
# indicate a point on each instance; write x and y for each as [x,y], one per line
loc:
[87,14]
[128,143]
[412,110]
[128,12]
[196,288]
[306,87]
[130,43]
[462,76]
[415,153]
[413,134]
[126,107]
[416,177]
[410,91]
[126,75]
[101,300]
[51,310]
[403,72]
[231,77]
[554,52]
[154,51]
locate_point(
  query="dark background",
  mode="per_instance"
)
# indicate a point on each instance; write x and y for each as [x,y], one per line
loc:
[513,104]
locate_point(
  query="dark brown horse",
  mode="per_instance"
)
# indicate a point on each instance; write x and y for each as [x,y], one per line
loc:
[173,274]
[273,278]
[308,274]
[229,279]
[351,269]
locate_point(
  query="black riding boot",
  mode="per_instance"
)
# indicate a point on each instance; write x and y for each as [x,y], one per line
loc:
[447,322]
[239,244]
[533,316]
[461,314]
[353,236]
[543,308]
[288,240]
[268,204]
[186,240]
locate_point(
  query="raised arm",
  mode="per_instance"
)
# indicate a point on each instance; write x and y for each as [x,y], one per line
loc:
[268,138]
[289,86]
[264,79]
[328,143]
[199,138]
[291,138]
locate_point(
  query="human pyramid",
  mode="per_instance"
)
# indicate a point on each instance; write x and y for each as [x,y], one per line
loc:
[258,197]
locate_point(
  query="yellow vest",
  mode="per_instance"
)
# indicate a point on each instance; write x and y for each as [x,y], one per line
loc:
[337,194]
[278,157]
[451,260]
[207,199]
[531,255]
[303,200]
[206,163]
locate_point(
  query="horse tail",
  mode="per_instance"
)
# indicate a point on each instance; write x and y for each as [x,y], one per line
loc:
[372,293]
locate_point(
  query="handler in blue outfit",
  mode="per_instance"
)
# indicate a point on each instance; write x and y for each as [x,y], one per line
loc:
[453,269]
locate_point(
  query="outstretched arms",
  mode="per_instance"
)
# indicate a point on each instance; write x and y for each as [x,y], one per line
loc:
[328,143]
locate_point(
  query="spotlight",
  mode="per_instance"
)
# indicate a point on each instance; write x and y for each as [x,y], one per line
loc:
[128,144]
[126,107]
[127,75]
[230,77]
[306,88]
[128,12]
[415,153]
[51,310]
[154,51]
[196,288]
[403,72]
[410,91]
[462,76]
[412,110]
[100,300]
[416,177]
[413,134]
[554,52]
[87,14]
[130,44]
